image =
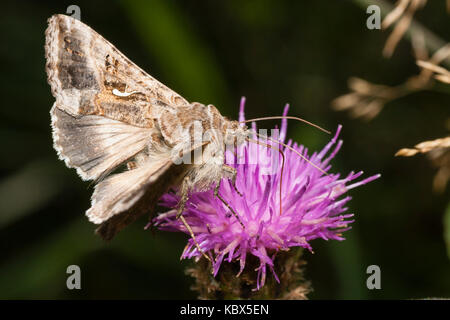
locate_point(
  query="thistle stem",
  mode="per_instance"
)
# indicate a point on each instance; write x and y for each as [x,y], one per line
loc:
[226,285]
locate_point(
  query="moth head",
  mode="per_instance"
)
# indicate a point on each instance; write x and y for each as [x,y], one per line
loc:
[235,132]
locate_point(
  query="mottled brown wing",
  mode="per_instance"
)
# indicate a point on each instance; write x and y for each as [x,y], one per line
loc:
[88,75]
[103,114]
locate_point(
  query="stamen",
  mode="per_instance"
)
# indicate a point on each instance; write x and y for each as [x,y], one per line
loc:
[282,165]
[295,151]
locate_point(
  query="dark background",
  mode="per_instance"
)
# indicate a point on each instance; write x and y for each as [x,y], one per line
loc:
[272,52]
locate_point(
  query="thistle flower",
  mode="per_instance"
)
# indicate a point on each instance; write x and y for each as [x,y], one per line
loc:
[313,205]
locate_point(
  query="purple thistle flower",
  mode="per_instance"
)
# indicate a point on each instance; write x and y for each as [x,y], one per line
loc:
[313,205]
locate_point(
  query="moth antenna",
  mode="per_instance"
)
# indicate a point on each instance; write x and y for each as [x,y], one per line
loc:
[282,165]
[293,150]
[288,117]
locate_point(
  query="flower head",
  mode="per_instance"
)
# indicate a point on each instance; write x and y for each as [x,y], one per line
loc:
[312,204]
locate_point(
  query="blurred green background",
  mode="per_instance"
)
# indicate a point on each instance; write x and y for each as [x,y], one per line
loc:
[272,52]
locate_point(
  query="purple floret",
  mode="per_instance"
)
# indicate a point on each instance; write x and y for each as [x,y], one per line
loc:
[313,205]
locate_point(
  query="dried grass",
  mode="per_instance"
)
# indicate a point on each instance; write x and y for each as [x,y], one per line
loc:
[366,100]
[402,14]
[438,151]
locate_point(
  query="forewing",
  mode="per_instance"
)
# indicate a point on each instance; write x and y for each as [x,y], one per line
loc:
[88,75]
[104,111]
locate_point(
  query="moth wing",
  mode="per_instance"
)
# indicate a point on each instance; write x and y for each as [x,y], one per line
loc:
[88,75]
[119,192]
[95,145]
[121,198]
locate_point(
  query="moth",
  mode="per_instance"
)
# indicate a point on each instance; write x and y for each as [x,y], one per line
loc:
[120,127]
[111,114]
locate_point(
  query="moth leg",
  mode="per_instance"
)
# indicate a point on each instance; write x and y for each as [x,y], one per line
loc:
[184,196]
[181,205]
[230,171]
[217,194]
[189,229]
